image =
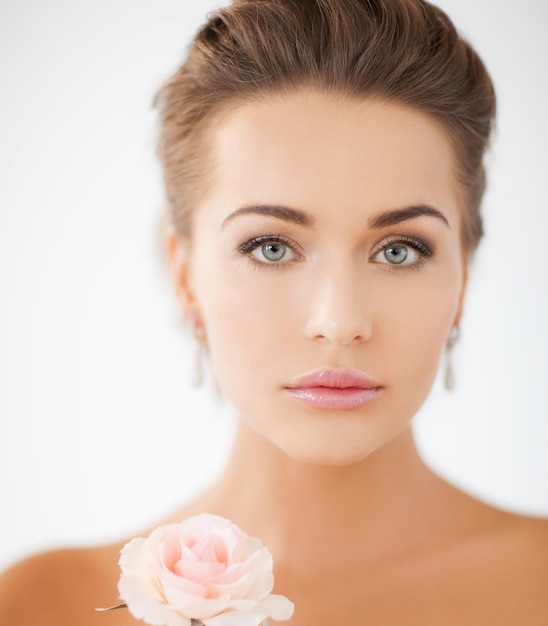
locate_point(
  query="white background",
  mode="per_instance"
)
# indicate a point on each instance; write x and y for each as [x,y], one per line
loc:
[100,432]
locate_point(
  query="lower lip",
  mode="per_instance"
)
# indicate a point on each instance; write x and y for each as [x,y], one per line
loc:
[334,398]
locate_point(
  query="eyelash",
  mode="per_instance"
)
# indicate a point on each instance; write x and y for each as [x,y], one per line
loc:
[248,247]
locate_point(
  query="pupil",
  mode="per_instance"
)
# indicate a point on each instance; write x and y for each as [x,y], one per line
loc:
[396,254]
[273,251]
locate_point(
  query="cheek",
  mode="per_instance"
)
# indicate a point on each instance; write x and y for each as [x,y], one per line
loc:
[249,325]
[415,332]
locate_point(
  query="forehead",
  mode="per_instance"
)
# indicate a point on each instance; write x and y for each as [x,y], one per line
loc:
[320,151]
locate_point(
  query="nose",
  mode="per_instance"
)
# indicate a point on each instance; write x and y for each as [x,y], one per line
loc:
[337,310]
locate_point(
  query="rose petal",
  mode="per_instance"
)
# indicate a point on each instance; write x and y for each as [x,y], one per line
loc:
[192,605]
[261,561]
[276,607]
[198,570]
[252,585]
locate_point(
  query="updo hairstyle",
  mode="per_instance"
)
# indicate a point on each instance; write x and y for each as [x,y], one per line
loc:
[402,51]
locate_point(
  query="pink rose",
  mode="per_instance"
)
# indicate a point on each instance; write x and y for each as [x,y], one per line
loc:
[204,568]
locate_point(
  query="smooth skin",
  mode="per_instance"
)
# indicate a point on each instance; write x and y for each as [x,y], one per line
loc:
[329,237]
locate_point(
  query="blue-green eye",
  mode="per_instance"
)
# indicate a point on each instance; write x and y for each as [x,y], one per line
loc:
[397,254]
[272,252]
[402,251]
[271,249]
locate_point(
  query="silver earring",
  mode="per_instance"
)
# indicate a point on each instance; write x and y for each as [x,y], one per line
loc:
[199,357]
[449,376]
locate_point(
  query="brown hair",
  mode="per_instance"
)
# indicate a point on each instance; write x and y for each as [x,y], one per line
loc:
[406,51]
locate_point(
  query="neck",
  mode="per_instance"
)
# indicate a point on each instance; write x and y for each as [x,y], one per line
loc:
[295,507]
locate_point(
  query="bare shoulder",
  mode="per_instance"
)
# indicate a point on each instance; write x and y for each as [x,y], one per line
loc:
[64,587]
[495,562]
[61,587]
[525,541]
[511,563]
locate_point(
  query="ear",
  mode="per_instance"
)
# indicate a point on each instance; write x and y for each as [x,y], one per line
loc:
[178,254]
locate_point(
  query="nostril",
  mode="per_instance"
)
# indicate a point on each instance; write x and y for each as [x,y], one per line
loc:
[337,333]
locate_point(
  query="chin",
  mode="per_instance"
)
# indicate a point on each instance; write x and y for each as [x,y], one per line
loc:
[329,449]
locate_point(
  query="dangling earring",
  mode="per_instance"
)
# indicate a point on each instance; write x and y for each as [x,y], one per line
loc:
[199,358]
[449,376]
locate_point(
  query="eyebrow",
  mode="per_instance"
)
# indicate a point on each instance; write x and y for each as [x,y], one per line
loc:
[387,218]
[280,212]
[390,218]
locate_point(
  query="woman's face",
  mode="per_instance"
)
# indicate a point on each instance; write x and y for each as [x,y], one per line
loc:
[326,268]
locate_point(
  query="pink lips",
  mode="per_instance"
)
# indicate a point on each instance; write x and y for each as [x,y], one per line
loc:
[334,390]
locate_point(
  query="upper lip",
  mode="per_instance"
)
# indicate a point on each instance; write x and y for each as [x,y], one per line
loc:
[336,379]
